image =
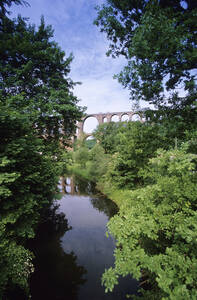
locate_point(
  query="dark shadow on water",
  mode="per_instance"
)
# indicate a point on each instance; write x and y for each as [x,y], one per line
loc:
[95,249]
[60,274]
[57,275]
[82,187]
[105,205]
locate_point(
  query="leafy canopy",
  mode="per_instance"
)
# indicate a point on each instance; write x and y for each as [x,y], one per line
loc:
[38,111]
[159,40]
[4,4]
[34,78]
[107,135]
[28,180]
[155,230]
[131,145]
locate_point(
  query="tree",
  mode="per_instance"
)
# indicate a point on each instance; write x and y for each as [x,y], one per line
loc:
[38,114]
[90,143]
[28,181]
[81,156]
[158,39]
[107,135]
[155,230]
[4,3]
[138,142]
[34,79]
[98,163]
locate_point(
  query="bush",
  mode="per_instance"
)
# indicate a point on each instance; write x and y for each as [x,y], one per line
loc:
[28,181]
[156,230]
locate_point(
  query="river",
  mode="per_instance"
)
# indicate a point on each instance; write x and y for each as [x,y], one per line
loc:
[71,248]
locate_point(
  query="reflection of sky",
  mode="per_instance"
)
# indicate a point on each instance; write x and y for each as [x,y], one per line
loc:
[88,241]
[87,237]
[84,217]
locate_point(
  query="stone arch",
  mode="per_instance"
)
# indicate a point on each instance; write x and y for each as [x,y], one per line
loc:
[88,137]
[124,117]
[106,117]
[90,123]
[115,118]
[136,117]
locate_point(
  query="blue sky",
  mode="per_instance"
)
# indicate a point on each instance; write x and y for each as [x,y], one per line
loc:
[74,31]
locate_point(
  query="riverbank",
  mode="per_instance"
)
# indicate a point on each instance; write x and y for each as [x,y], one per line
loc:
[107,189]
[117,196]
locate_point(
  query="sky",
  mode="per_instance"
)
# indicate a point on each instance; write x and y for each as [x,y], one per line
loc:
[72,21]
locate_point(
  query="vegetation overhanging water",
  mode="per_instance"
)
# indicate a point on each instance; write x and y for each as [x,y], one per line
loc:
[71,248]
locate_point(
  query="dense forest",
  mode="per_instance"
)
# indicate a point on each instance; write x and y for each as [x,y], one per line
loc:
[150,169]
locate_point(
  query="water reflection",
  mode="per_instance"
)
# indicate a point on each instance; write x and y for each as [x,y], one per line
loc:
[71,256]
[57,275]
[76,186]
[88,215]
[102,204]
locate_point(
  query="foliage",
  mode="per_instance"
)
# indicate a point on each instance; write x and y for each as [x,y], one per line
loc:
[137,143]
[155,230]
[90,164]
[5,3]
[98,163]
[191,138]
[34,79]
[107,135]
[158,39]
[28,180]
[65,161]
[81,155]
[38,114]
[90,143]
[174,123]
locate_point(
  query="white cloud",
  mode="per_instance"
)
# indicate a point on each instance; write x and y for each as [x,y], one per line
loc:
[75,32]
[102,95]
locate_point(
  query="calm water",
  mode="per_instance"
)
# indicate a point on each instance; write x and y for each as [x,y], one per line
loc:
[72,251]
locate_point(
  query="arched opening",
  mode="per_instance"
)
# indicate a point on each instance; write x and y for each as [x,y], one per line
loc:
[115,118]
[136,117]
[68,189]
[77,131]
[90,142]
[68,181]
[90,124]
[105,119]
[125,118]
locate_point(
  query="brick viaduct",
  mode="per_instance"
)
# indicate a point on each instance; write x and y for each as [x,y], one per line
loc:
[106,117]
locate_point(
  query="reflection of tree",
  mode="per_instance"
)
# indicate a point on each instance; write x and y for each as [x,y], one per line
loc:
[105,205]
[82,186]
[57,275]
[101,203]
